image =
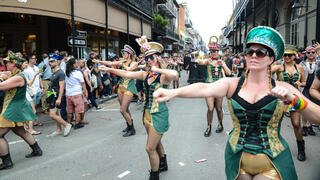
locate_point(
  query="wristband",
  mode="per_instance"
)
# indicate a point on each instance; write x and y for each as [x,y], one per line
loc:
[297,104]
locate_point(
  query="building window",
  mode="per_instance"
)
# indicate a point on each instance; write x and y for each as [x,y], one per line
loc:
[294,26]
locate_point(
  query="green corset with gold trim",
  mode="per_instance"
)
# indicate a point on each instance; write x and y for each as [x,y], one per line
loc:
[214,73]
[150,101]
[256,130]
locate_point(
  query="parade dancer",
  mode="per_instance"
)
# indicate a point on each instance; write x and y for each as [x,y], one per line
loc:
[16,111]
[175,65]
[216,69]
[255,148]
[293,74]
[127,87]
[155,115]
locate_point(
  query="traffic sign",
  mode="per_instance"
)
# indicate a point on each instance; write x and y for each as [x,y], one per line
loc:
[81,33]
[78,41]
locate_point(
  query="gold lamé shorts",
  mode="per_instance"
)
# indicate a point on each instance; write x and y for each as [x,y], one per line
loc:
[254,164]
[147,118]
[123,90]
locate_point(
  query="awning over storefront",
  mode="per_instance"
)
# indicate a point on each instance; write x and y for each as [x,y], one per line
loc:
[56,8]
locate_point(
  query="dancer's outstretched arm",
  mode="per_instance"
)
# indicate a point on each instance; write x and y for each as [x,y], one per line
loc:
[287,93]
[108,63]
[141,75]
[169,75]
[219,88]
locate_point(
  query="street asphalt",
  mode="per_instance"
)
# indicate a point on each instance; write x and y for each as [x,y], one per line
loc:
[98,151]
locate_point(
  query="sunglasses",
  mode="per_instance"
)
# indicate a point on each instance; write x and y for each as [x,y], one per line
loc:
[213,51]
[149,57]
[288,55]
[124,53]
[312,52]
[260,53]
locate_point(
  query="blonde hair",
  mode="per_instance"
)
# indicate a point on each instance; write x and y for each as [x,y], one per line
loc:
[160,62]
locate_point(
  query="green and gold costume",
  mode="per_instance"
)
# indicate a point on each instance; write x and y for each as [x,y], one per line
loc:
[256,130]
[158,112]
[214,73]
[16,109]
[129,84]
[291,79]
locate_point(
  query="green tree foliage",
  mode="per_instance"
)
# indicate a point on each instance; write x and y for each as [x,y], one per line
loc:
[160,21]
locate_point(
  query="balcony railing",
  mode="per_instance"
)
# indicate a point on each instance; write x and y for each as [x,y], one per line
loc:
[172,35]
[169,9]
[158,30]
[160,1]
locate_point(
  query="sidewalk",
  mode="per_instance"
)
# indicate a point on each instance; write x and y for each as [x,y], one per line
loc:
[45,119]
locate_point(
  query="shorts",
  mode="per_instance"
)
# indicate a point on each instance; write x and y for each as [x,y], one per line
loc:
[114,80]
[123,90]
[159,121]
[75,104]
[37,98]
[52,102]
[99,80]
[253,164]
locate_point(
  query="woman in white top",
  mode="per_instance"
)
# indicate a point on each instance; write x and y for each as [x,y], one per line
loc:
[75,86]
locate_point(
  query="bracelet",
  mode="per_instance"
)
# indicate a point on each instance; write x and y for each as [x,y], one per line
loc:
[1,79]
[297,104]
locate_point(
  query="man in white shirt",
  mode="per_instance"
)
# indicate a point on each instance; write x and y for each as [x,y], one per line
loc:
[37,84]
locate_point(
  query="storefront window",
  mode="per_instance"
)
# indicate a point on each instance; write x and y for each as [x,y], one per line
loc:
[29,44]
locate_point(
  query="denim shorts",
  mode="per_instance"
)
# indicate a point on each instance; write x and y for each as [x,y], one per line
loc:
[37,98]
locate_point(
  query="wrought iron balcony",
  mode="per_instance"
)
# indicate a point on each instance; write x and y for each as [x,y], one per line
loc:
[158,30]
[169,9]
[172,35]
[160,1]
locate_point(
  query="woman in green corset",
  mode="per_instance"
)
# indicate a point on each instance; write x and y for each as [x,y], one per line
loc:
[16,110]
[126,87]
[293,74]
[216,69]
[155,115]
[255,148]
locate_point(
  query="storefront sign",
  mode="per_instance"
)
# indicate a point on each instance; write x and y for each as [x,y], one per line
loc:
[78,41]
[81,33]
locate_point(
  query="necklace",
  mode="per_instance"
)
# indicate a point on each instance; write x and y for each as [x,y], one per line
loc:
[152,75]
[15,73]
[213,59]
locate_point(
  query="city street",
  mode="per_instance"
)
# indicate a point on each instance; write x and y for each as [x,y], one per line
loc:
[98,151]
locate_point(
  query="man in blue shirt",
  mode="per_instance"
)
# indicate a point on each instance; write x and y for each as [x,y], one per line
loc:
[45,76]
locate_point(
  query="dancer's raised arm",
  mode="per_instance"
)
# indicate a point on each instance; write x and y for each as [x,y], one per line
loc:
[141,75]
[219,88]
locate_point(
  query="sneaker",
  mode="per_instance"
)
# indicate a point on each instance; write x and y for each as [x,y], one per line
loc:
[55,133]
[97,108]
[78,126]
[114,95]
[67,130]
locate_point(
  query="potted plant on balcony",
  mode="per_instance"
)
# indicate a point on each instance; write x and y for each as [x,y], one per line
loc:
[160,21]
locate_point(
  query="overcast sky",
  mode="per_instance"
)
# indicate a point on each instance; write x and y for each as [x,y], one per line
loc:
[209,16]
